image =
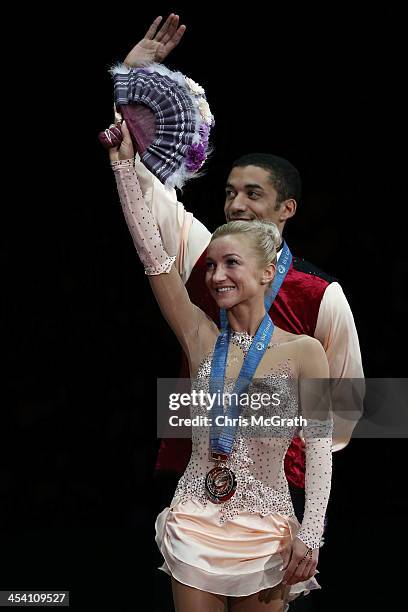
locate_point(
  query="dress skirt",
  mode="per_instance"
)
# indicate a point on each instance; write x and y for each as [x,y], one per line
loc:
[236,558]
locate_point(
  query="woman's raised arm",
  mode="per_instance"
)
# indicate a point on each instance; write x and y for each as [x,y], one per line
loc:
[183,317]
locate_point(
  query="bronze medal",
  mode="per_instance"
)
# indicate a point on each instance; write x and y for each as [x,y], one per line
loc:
[220,484]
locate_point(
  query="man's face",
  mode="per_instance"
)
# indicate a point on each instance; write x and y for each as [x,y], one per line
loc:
[250,195]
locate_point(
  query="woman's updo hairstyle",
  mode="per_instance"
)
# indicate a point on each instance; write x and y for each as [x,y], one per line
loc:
[264,237]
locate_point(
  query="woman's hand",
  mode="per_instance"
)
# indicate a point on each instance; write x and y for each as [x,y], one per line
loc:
[118,141]
[300,562]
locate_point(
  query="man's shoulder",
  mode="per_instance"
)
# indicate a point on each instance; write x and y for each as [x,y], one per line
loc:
[302,266]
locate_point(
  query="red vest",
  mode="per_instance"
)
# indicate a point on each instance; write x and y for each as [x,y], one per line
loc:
[295,310]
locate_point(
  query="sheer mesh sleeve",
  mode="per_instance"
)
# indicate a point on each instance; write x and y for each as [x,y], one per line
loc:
[184,318]
[317,489]
[140,220]
[315,408]
[181,232]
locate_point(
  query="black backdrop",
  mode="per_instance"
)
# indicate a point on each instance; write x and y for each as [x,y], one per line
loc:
[87,342]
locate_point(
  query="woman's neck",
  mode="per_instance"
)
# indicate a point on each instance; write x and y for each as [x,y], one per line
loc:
[246,317]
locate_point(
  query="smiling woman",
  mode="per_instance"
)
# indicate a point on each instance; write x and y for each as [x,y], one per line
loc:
[241,256]
[234,488]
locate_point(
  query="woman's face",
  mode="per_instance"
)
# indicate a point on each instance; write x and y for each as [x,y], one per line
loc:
[234,274]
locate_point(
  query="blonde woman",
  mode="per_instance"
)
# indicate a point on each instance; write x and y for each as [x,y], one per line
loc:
[230,538]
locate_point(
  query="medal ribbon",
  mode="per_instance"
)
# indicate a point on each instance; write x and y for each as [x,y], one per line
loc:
[222,437]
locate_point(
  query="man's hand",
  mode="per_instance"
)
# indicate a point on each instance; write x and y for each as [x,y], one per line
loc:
[156,45]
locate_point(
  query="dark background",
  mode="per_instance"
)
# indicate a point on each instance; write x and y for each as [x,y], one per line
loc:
[322,88]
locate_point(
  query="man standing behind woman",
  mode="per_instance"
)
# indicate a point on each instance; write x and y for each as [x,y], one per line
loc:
[268,188]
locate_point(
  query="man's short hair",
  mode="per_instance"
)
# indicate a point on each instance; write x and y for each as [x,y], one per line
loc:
[284,177]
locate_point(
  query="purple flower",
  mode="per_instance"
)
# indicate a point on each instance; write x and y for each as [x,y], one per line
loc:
[196,156]
[197,152]
[204,132]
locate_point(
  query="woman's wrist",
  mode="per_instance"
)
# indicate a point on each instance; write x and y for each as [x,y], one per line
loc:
[123,163]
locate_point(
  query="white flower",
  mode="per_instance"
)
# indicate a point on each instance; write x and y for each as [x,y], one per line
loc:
[195,87]
[205,111]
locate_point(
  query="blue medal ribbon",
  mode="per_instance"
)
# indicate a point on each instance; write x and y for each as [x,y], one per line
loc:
[222,437]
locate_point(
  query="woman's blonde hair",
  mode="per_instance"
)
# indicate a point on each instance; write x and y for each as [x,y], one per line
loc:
[264,237]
